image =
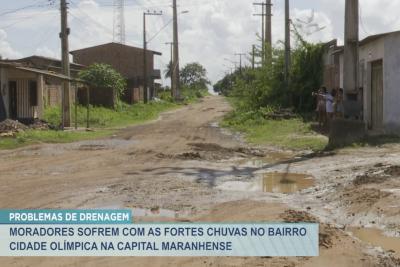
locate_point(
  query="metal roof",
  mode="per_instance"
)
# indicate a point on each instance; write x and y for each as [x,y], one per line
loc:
[39,71]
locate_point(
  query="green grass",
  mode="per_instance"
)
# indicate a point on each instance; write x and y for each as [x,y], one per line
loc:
[289,134]
[105,121]
[31,137]
[101,117]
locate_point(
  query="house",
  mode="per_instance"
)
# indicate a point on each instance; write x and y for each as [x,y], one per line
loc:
[128,61]
[24,90]
[379,80]
[52,86]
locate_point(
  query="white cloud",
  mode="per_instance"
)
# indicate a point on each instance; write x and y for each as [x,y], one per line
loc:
[6,51]
[46,52]
[212,31]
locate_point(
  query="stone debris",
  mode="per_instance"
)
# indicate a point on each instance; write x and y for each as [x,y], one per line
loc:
[10,128]
[40,125]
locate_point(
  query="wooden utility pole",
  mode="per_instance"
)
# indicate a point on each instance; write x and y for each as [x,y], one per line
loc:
[175,65]
[268,32]
[66,98]
[263,20]
[145,74]
[240,60]
[287,42]
[351,32]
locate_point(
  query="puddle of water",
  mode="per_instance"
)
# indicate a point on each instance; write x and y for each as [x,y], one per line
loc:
[284,183]
[376,238]
[271,157]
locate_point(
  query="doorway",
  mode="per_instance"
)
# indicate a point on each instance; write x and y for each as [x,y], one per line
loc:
[377,95]
[12,99]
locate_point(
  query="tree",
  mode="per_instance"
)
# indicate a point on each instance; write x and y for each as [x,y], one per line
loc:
[194,76]
[103,76]
[167,71]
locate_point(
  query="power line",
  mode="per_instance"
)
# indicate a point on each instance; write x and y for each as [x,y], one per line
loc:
[91,19]
[165,26]
[26,7]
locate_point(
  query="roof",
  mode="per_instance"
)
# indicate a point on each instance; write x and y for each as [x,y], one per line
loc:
[38,71]
[113,44]
[44,58]
[375,37]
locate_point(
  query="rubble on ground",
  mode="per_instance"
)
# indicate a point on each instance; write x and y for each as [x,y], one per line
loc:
[40,125]
[10,128]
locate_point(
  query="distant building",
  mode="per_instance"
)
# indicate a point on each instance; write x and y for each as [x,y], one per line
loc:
[128,61]
[379,80]
[29,84]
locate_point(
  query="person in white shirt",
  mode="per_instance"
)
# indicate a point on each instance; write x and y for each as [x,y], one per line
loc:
[329,99]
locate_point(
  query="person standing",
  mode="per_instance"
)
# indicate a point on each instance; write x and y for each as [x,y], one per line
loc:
[321,107]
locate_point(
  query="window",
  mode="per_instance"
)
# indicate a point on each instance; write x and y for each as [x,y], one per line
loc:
[33,93]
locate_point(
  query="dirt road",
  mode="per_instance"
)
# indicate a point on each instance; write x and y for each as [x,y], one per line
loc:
[183,167]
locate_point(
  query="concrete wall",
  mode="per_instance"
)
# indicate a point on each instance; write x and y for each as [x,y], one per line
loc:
[125,59]
[391,75]
[369,53]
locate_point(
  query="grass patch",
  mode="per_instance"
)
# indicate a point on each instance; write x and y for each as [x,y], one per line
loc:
[31,137]
[106,121]
[101,117]
[290,134]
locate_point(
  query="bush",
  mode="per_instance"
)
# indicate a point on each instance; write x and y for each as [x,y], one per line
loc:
[265,86]
[102,77]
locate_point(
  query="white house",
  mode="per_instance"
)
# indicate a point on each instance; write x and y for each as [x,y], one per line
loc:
[379,80]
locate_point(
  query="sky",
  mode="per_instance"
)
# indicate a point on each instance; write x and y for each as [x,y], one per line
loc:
[211,33]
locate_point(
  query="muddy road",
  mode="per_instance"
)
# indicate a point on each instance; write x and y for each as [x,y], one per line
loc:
[183,167]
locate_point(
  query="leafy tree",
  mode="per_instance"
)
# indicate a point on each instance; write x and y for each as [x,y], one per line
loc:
[264,87]
[168,70]
[194,76]
[103,76]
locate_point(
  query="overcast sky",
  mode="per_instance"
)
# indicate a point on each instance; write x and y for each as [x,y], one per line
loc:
[211,31]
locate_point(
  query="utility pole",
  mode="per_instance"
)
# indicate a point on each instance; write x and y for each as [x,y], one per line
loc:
[263,14]
[351,32]
[171,44]
[175,65]
[145,75]
[268,31]
[287,42]
[240,60]
[66,98]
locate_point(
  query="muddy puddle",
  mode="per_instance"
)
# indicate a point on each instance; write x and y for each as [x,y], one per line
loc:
[284,183]
[376,238]
[269,158]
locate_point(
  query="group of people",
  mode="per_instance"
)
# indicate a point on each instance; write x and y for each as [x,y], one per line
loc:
[329,105]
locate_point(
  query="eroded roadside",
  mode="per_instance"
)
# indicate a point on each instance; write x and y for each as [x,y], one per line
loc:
[183,167]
